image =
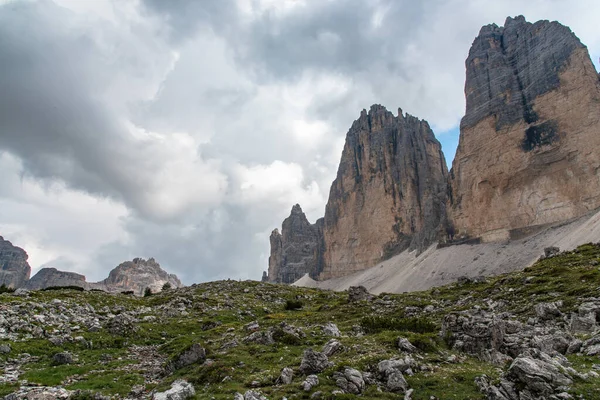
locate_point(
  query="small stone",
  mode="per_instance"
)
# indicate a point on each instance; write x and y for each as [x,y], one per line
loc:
[331,329]
[313,362]
[331,347]
[547,311]
[405,345]
[358,293]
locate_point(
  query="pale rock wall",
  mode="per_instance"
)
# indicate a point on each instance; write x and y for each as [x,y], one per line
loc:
[48,277]
[389,193]
[529,149]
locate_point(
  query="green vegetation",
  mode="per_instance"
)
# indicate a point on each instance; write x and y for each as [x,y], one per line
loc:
[373,324]
[71,287]
[216,315]
[5,289]
[292,305]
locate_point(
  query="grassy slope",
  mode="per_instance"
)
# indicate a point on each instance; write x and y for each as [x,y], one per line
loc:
[568,277]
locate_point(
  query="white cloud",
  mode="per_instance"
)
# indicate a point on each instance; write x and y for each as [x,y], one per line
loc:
[53,223]
[278,183]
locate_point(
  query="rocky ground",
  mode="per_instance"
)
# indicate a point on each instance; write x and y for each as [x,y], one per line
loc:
[533,334]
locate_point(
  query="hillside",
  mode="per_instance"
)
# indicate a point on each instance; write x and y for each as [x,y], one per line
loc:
[440,265]
[532,333]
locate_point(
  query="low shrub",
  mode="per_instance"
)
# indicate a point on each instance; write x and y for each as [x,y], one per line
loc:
[70,287]
[293,304]
[374,324]
[6,289]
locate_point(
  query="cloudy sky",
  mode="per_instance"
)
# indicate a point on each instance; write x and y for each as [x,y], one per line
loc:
[186,130]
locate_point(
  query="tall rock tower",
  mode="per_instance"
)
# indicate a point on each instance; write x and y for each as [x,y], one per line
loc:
[529,149]
[297,250]
[389,193]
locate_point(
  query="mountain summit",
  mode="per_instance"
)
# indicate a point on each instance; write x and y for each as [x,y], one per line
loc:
[528,156]
[529,142]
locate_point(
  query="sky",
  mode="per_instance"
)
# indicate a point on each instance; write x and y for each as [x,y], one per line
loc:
[185,130]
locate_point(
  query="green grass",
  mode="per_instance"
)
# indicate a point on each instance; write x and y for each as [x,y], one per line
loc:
[54,375]
[218,311]
[109,382]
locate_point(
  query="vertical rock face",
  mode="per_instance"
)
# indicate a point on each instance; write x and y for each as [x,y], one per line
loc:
[297,250]
[389,193]
[48,277]
[529,144]
[14,269]
[137,275]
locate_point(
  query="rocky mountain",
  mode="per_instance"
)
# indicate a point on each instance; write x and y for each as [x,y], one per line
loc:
[297,250]
[14,269]
[529,144]
[137,275]
[528,157]
[389,196]
[48,277]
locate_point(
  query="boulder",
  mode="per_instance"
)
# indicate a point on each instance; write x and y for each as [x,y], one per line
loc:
[287,374]
[313,362]
[405,345]
[122,325]
[331,329]
[252,395]
[547,311]
[331,347]
[180,390]
[62,358]
[541,376]
[358,293]
[309,383]
[350,381]
[192,355]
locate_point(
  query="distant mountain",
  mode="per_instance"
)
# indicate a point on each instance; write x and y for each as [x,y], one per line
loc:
[136,275]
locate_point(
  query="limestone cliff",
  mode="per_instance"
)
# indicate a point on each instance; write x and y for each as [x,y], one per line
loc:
[137,275]
[529,149]
[297,250]
[14,269]
[48,277]
[389,193]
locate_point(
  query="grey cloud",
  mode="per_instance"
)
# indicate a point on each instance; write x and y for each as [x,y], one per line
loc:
[186,17]
[57,113]
[217,245]
[207,83]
